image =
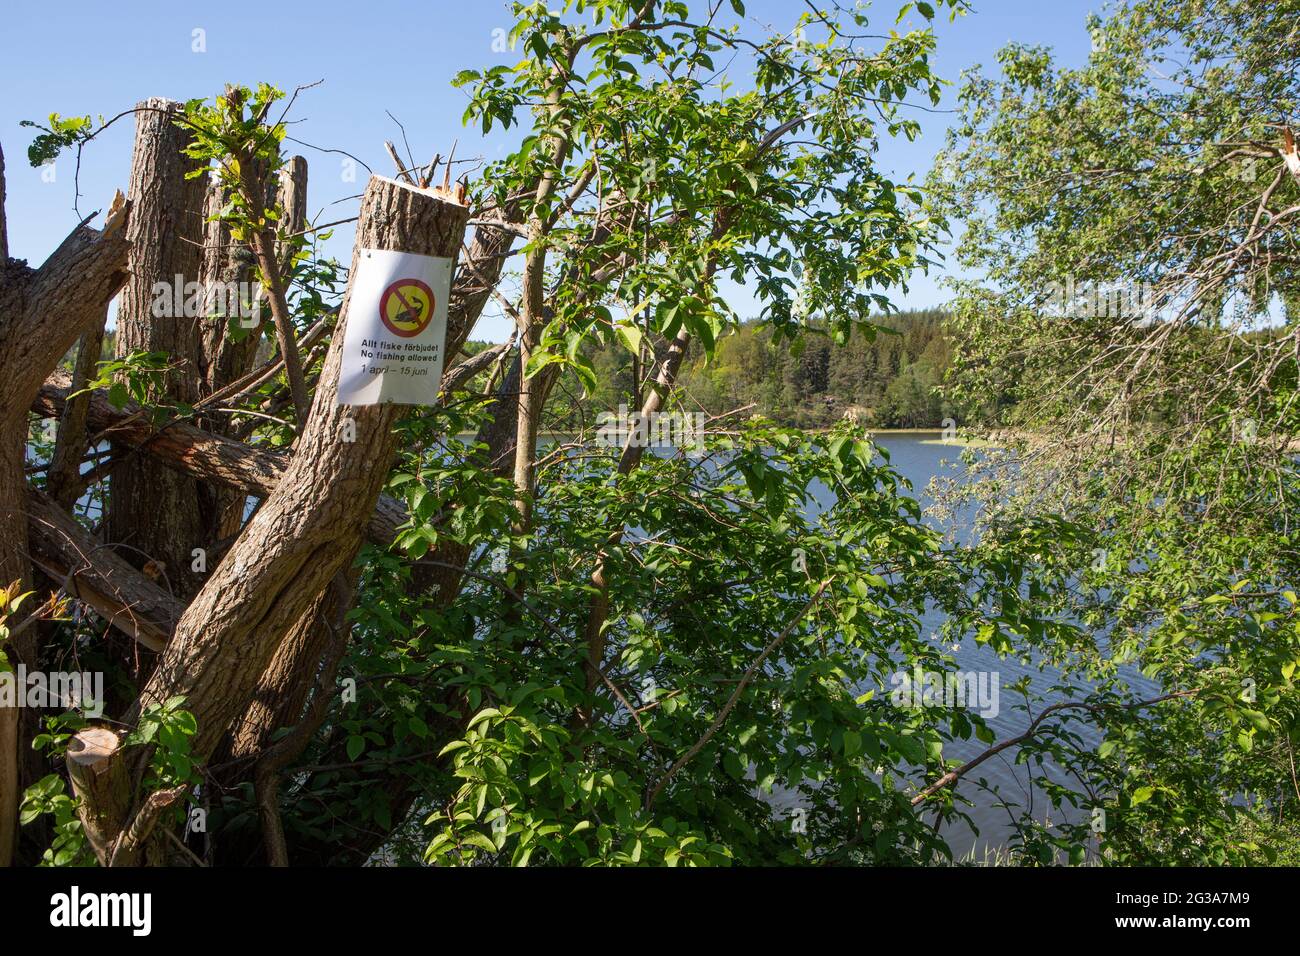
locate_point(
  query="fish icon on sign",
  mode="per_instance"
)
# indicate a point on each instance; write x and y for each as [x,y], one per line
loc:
[406,307]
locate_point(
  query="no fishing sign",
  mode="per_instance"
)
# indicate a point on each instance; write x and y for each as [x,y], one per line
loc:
[396,329]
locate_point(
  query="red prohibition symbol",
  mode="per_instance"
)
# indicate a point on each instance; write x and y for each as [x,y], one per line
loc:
[406,307]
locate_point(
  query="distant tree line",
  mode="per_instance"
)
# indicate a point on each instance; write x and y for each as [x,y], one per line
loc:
[887,380]
[890,379]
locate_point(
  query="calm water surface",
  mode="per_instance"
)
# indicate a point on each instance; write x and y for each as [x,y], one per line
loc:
[920,458]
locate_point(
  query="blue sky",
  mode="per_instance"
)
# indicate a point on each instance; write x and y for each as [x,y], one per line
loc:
[372,57]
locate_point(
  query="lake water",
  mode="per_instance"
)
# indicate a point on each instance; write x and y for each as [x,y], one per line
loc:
[920,458]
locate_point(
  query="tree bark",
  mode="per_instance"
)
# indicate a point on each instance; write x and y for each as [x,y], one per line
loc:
[282,690]
[95,575]
[42,313]
[62,480]
[308,529]
[155,511]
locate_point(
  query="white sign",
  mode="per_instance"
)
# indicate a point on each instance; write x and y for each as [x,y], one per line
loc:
[396,329]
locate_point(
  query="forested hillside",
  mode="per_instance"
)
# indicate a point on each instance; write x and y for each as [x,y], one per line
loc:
[888,377]
[885,375]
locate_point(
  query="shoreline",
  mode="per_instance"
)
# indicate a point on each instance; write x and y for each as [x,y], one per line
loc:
[935,434]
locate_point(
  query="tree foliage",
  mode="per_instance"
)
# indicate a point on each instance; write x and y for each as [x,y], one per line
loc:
[1164,434]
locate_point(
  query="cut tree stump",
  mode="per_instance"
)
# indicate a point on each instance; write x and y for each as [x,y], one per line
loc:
[102,785]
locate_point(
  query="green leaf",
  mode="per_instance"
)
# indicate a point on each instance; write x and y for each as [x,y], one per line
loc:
[1257,719]
[356,746]
[852,743]
[474,838]
[630,335]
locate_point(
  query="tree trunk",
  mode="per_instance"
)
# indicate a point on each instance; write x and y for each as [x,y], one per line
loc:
[102,784]
[282,691]
[307,531]
[42,313]
[630,459]
[93,574]
[63,479]
[155,512]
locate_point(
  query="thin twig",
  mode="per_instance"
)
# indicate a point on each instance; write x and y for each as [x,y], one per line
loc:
[734,698]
